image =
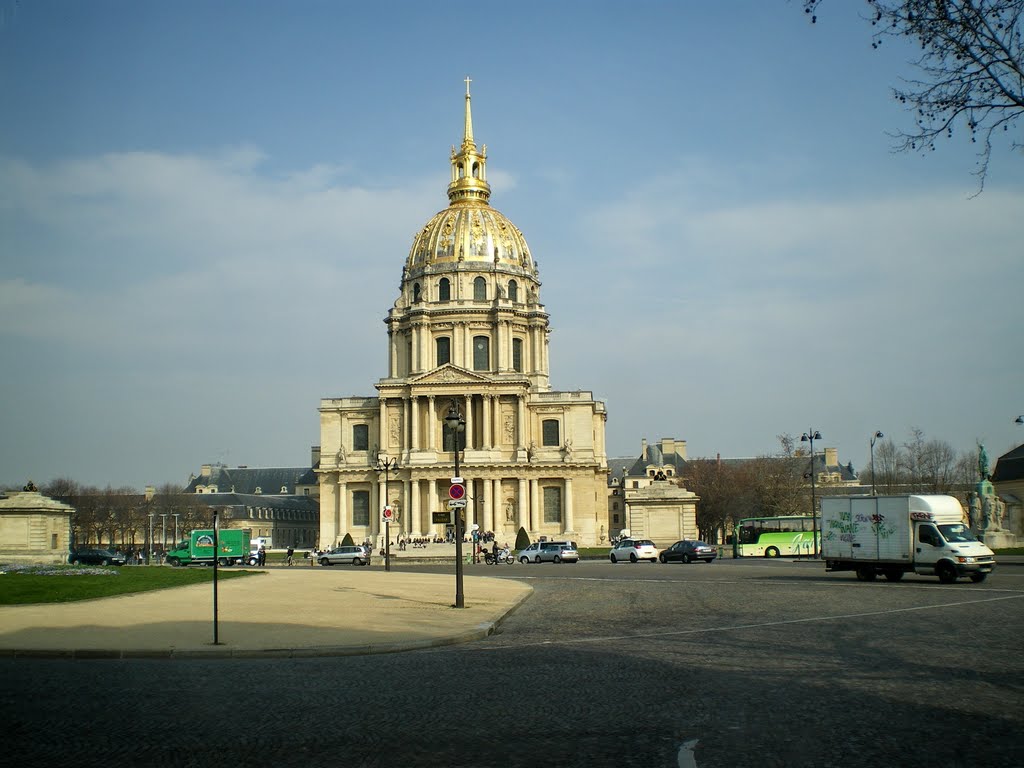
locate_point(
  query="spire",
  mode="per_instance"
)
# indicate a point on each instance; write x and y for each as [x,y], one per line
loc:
[469,165]
[467,135]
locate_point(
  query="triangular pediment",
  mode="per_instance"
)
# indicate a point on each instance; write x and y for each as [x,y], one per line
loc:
[449,374]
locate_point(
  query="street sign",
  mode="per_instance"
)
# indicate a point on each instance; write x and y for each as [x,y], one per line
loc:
[441,517]
[457,481]
[457,491]
[456,504]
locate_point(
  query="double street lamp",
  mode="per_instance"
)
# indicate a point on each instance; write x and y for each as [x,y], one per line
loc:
[810,436]
[457,424]
[877,436]
[385,465]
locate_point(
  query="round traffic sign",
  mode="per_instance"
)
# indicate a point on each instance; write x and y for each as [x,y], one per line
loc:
[457,491]
[389,513]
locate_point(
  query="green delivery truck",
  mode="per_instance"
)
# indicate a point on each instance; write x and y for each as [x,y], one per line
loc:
[197,549]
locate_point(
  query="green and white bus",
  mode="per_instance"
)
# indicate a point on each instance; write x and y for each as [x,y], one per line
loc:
[791,536]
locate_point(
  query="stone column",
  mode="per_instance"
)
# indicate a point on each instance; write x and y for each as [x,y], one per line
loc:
[522,507]
[467,412]
[568,521]
[414,502]
[487,518]
[382,426]
[431,423]
[343,520]
[534,506]
[521,441]
[432,503]
[499,505]
[414,416]
[485,413]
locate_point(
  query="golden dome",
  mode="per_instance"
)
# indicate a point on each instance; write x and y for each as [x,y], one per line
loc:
[469,230]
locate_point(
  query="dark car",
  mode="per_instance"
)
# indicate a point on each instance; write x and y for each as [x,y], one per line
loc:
[95,557]
[687,551]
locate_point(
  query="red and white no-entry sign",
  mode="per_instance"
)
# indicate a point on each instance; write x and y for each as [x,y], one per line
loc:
[388,515]
[457,491]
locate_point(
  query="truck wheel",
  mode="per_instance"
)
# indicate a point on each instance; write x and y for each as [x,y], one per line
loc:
[174,562]
[771,552]
[222,562]
[946,572]
[977,578]
[865,573]
[893,575]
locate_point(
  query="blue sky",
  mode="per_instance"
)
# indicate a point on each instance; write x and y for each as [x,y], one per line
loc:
[206,206]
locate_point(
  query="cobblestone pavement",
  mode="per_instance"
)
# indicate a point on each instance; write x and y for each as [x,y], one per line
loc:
[762,664]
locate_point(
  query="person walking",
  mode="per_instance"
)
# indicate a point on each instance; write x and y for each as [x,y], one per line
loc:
[291,556]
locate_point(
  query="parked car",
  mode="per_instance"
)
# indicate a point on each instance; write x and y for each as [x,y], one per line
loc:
[687,551]
[549,551]
[95,557]
[356,555]
[633,550]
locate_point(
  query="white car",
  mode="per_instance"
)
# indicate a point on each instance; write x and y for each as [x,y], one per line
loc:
[633,550]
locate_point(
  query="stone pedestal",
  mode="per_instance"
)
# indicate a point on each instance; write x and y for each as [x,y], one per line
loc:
[999,539]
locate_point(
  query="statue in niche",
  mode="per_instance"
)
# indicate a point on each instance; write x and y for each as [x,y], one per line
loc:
[510,511]
[510,428]
[531,451]
[567,450]
[339,458]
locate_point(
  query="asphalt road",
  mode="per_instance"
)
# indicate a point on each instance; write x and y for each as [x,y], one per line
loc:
[747,663]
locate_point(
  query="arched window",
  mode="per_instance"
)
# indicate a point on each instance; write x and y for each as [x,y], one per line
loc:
[513,290]
[444,290]
[479,289]
[549,432]
[444,350]
[476,170]
[481,353]
[415,293]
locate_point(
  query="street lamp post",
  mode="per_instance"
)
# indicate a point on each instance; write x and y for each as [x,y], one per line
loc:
[385,465]
[877,436]
[810,436]
[163,537]
[176,516]
[457,425]
[149,549]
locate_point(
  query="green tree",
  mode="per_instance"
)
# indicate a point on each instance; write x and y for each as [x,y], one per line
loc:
[522,539]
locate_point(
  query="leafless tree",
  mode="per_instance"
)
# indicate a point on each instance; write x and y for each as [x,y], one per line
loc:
[972,68]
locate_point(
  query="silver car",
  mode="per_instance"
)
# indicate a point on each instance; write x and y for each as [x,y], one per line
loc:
[633,550]
[549,552]
[356,555]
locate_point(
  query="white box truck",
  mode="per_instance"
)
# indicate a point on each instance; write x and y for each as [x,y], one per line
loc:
[894,535]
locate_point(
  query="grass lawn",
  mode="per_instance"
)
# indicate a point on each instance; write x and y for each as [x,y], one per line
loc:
[23,585]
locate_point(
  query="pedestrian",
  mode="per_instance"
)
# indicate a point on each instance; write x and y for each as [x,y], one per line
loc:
[261,557]
[312,556]
[291,556]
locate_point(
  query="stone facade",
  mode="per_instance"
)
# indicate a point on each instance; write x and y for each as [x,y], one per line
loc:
[34,529]
[468,331]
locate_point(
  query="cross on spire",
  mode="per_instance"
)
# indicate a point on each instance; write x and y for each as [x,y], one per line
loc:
[468,81]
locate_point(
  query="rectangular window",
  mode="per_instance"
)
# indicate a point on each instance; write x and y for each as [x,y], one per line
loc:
[552,504]
[444,350]
[360,437]
[360,508]
[517,355]
[550,432]
[481,353]
[53,541]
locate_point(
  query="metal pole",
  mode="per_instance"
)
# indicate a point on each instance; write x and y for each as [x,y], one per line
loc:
[460,599]
[814,503]
[216,551]
[163,539]
[176,516]
[874,437]
[149,548]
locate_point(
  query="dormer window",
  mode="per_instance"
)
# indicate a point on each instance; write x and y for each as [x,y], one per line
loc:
[258,489]
[284,489]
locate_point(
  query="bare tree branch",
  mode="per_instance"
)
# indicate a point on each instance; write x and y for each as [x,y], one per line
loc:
[972,60]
